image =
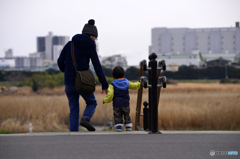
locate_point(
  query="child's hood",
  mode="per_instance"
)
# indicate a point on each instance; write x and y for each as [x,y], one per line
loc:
[121,84]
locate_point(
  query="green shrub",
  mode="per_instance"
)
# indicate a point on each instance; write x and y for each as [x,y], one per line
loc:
[38,81]
[51,84]
[5,132]
[109,80]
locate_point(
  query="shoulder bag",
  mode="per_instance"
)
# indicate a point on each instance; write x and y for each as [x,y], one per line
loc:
[84,81]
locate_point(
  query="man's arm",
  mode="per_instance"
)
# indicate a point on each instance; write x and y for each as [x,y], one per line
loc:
[98,69]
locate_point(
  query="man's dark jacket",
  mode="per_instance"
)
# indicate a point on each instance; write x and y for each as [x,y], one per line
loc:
[84,50]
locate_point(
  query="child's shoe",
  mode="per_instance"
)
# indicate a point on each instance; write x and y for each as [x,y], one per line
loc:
[119,129]
[128,128]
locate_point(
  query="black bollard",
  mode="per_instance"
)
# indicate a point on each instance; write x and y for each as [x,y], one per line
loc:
[151,113]
[145,117]
[152,56]
[149,97]
[154,104]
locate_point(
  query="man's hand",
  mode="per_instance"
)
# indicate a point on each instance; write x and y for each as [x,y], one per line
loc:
[105,90]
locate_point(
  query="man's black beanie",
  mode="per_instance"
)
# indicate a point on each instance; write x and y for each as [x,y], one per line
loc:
[90,28]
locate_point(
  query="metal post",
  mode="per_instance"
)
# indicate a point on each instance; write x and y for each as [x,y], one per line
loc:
[145,117]
[226,71]
[139,98]
[154,110]
[149,98]
[159,89]
[151,113]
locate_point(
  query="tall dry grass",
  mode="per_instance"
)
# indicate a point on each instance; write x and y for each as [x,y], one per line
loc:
[182,106]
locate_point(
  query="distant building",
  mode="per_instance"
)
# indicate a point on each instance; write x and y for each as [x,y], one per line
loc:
[172,67]
[41,42]
[47,63]
[208,57]
[9,54]
[7,63]
[112,61]
[22,62]
[210,42]
[46,46]
[28,62]
[48,50]
[181,59]
[60,40]
[40,55]
[35,62]
[219,62]
[56,52]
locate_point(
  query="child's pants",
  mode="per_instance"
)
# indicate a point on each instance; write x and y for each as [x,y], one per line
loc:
[119,113]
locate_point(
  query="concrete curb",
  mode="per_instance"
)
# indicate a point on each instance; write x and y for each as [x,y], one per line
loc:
[118,133]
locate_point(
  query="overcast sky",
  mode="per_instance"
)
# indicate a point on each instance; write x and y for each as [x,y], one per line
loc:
[124,26]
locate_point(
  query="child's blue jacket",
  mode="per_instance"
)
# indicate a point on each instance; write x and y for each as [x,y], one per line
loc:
[118,92]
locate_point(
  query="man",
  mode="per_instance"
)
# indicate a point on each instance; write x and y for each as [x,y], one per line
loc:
[84,50]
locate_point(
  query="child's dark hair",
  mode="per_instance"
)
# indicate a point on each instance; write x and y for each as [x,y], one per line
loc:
[118,72]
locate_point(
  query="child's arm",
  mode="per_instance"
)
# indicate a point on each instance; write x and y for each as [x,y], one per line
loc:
[110,95]
[134,85]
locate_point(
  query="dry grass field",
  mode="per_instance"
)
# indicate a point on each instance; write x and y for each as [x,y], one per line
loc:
[182,107]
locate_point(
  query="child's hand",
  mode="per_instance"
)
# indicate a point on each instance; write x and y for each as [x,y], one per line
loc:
[105,90]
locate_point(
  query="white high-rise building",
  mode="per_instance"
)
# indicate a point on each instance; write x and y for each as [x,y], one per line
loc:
[46,44]
[56,52]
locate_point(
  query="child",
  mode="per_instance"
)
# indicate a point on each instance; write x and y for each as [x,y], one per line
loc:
[119,94]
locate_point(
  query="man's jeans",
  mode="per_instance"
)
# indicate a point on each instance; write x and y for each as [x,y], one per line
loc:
[73,99]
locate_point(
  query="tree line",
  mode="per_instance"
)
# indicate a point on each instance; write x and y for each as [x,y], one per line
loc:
[187,72]
[215,72]
[53,78]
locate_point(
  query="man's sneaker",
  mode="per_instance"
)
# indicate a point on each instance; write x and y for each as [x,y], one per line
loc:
[119,129]
[128,128]
[85,123]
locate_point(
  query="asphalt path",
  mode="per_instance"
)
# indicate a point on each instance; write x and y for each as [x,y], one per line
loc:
[123,145]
